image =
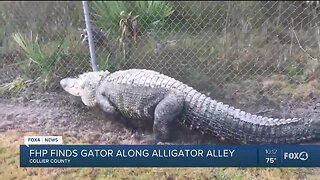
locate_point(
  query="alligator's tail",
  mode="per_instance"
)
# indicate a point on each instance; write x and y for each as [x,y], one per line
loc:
[212,117]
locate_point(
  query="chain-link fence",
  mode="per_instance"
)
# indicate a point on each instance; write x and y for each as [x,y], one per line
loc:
[259,48]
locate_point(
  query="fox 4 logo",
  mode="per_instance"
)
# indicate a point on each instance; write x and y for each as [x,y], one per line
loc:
[296,155]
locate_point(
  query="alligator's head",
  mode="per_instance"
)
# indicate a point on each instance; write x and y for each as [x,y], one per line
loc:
[84,86]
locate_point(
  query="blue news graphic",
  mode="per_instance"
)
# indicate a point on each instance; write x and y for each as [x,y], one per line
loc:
[170,156]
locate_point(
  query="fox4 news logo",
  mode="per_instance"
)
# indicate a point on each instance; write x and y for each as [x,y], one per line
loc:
[303,156]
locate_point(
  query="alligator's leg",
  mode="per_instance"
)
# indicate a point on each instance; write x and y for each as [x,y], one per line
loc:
[105,104]
[108,108]
[168,110]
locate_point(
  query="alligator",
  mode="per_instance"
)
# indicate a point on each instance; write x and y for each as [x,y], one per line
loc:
[149,95]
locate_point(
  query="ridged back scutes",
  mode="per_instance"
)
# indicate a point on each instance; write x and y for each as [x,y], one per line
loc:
[195,99]
[208,115]
[143,77]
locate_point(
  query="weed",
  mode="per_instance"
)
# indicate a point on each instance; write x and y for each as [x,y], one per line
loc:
[13,88]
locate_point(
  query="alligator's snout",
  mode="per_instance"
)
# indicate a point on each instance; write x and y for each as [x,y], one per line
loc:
[68,83]
[64,83]
[71,85]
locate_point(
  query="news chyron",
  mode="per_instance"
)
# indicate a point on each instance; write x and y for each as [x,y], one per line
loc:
[49,151]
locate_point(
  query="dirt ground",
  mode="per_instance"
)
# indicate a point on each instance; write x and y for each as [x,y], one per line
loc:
[66,116]
[60,114]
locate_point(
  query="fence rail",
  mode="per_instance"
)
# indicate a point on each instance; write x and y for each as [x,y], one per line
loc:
[263,48]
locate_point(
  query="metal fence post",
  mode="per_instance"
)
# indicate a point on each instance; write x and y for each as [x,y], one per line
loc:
[88,27]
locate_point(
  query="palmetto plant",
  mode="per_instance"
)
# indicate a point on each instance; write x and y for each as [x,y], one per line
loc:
[40,57]
[126,22]
[106,14]
[150,14]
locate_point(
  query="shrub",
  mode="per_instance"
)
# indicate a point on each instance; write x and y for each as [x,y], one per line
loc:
[51,59]
[41,57]
[150,14]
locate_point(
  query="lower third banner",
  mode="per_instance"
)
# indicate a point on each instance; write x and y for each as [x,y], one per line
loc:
[169,156]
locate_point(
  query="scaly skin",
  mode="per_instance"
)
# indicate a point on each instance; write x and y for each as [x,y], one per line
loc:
[149,95]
